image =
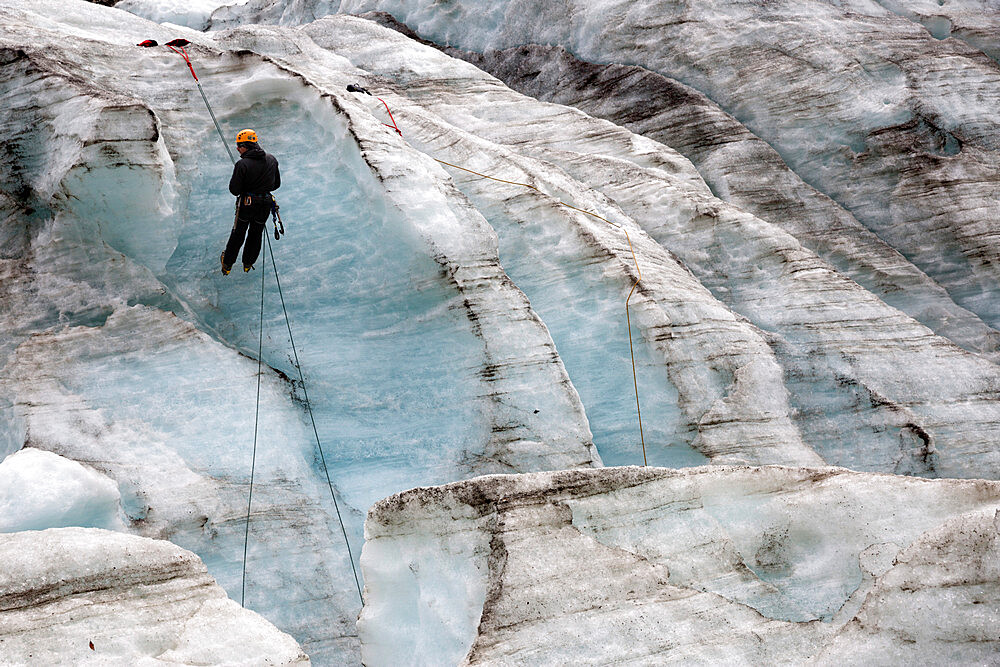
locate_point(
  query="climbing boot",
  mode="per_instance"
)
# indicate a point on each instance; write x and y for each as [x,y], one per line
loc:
[225,267]
[247,268]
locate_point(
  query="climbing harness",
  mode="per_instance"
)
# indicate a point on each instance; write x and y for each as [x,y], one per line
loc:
[354,88]
[279,225]
[177,46]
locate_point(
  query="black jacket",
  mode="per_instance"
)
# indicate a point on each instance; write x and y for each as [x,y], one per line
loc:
[255,173]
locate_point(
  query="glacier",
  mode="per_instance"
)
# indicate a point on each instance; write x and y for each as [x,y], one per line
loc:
[712,565]
[797,200]
[99,593]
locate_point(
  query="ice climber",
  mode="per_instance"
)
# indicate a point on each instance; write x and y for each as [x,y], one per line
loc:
[255,176]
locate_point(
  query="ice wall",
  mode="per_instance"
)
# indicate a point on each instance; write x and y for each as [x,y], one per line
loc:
[40,490]
[866,106]
[451,325]
[708,565]
[100,597]
[857,388]
[738,166]
[127,350]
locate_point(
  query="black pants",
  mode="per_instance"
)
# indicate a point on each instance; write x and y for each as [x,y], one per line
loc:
[250,220]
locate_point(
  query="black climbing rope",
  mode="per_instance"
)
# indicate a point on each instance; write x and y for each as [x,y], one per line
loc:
[312,419]
[256,420]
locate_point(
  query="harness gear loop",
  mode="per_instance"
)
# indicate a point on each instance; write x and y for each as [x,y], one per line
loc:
[276,219]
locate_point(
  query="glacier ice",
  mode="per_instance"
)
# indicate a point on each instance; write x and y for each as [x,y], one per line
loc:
[102,597]
[738,166]
[671,310]
[39,489]
[412,292]
[695,565]
[941,604]
[809,294]
[195,14]
[177,481]
[875,112]
[972,21]
[741,258]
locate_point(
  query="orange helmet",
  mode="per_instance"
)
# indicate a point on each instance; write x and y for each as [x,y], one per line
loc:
[246,135]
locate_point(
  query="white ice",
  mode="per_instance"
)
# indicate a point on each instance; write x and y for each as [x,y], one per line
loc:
[714,565]
[39,489]
[895,124]
[195,14]
[417,371]
[86,596]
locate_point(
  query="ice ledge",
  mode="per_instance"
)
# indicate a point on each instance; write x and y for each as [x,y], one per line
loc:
[103,597]
[718,564]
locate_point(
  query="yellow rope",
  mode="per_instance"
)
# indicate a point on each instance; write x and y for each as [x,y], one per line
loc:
[628,320]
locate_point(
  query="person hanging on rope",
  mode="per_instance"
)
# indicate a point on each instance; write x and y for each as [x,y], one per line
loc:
[255,176]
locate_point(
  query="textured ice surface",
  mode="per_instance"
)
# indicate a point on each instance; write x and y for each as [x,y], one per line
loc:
[543,243]
[739,167]
[39,490]
[98,597]
[972,21]
[450,326]
[191,13]
[424,361]
[851,381]
[896,126]
[715,564]
[940,598]
[880,369]
[182,478]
